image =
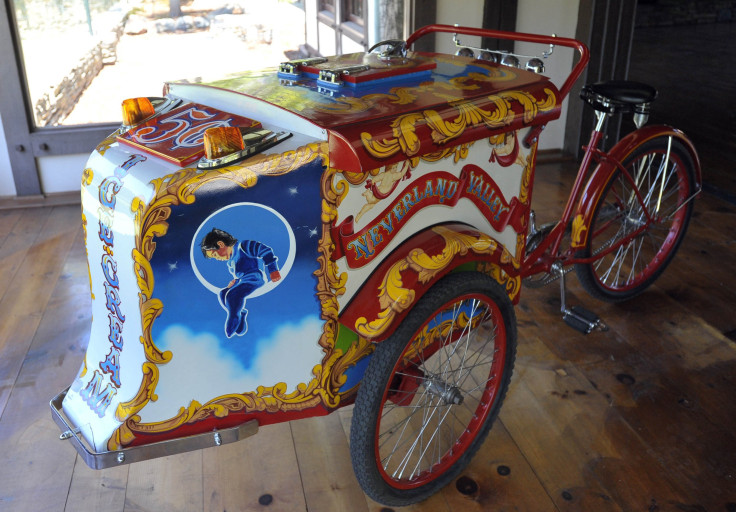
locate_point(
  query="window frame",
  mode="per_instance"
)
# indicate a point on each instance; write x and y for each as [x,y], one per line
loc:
[26,143]
[327,6]
[350,17]
[341,22]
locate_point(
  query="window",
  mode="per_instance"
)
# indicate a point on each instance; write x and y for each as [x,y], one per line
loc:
[85,79]
[354,11]
[339,26]
[67,65]
[327,6]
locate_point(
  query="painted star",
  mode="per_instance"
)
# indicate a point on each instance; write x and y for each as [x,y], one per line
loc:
[312,232]
[293,191]
[172,266]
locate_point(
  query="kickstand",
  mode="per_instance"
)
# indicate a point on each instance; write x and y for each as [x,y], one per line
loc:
[577,317]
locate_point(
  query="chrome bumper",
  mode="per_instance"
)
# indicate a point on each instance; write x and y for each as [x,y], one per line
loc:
[102,460]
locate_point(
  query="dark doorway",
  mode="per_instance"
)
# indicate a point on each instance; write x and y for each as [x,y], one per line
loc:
[689,57]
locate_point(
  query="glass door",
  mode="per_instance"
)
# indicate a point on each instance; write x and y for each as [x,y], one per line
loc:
[83,57]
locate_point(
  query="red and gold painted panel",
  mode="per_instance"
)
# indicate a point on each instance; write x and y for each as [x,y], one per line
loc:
[484,185]
[458,80]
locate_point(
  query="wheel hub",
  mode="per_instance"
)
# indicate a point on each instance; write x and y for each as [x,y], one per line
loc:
[448,393]
[633,223]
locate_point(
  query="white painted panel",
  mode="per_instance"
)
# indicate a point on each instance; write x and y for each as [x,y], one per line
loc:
[554,17]
[326,40]
[468,13]
[7,184]
[62,173]
[310,10]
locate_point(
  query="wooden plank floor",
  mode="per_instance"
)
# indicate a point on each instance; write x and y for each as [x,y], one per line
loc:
[637,418]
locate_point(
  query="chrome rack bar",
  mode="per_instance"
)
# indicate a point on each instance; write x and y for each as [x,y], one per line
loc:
[502,53]
[102,460]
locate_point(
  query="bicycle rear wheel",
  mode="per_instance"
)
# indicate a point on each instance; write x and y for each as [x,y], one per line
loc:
[433,389]
[665,177]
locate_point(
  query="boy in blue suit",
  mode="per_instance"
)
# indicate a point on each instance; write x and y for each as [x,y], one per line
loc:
[244,262]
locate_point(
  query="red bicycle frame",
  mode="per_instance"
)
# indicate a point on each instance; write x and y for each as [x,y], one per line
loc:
[548,251]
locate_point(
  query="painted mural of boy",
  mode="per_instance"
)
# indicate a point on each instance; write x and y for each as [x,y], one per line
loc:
[243,261]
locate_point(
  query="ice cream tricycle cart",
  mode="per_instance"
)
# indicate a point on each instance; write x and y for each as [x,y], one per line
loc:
[350,230]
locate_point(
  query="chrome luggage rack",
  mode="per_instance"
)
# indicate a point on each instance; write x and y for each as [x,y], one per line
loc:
[507,58]
[102,460]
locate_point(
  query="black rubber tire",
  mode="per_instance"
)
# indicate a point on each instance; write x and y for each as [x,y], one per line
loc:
[377,401]
[613,278]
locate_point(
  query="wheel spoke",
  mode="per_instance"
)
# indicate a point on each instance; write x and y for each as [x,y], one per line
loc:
[440,376]
[398,443]
[429,443]
[651,200]
[419,440]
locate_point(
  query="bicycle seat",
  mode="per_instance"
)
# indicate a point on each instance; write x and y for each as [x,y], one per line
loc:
[619,96]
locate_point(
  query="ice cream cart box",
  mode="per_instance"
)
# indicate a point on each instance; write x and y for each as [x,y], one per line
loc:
[251,240]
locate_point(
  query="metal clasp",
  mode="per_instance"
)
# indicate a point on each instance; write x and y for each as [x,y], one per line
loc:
[293,67]
[334,76]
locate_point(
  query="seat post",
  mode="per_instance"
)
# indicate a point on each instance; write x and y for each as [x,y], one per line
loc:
[600,119]
[595,137]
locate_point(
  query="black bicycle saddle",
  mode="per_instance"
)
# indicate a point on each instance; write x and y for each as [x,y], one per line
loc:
[616,96]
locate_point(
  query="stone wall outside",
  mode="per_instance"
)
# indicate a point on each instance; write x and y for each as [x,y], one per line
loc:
[54,106]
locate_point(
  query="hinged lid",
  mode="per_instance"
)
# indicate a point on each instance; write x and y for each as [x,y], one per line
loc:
[356,69]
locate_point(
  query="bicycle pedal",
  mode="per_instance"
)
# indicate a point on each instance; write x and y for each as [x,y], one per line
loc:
[583,320]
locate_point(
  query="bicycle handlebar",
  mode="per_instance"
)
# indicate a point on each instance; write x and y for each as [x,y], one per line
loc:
[577,69]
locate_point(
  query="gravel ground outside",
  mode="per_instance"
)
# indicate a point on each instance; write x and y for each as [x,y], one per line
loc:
[146,61]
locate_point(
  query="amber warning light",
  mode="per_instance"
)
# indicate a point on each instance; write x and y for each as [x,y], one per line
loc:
[136,110]
[222,141]
[226,145]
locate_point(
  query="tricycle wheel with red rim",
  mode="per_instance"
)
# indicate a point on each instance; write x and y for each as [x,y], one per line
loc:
[433,389]
[664,173]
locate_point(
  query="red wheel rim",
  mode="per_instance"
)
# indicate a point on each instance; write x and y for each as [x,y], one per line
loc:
[453,364]
[633,263]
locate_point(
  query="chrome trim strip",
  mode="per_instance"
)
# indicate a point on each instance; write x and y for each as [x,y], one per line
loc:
[102,460]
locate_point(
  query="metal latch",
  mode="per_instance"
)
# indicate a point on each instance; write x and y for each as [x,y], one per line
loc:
[292,68]
[334,76]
